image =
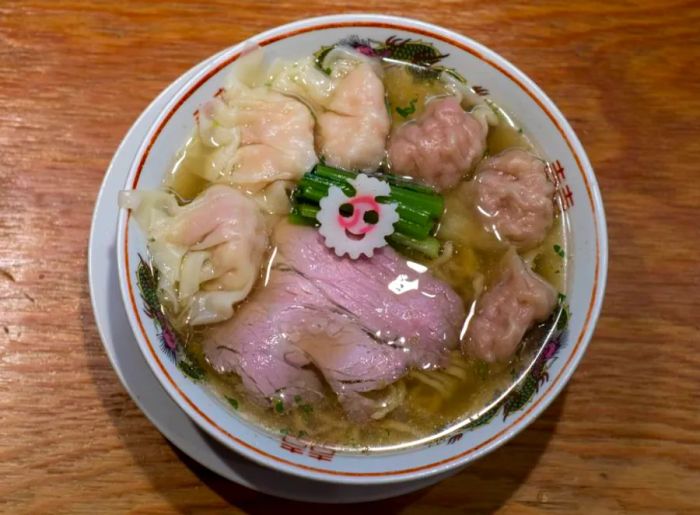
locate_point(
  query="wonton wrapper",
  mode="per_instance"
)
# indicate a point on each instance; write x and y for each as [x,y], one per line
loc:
[259,135]
[352,120]
[208,252]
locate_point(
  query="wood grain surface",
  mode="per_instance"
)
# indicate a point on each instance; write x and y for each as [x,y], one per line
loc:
[625,435]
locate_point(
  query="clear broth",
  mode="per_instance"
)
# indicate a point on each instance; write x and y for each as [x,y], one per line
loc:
[436,401]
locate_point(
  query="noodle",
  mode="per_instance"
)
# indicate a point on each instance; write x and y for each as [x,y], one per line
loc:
[396,396]
[328,420]
[456,371]
[446,379]
[299,423]
[445,256]
[433,383]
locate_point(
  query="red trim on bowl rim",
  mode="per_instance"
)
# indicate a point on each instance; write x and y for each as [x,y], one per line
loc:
[476,54]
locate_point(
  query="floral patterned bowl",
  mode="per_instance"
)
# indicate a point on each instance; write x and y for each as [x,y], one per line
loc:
[576,185]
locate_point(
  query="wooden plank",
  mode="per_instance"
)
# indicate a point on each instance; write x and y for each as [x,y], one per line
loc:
[625,435]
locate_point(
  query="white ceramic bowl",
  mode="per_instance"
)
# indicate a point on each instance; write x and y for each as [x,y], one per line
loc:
[541,120]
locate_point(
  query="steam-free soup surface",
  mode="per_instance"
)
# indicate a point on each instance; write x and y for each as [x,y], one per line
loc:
[424,402]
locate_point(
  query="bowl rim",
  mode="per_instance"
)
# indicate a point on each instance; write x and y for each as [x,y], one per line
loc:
[486,55]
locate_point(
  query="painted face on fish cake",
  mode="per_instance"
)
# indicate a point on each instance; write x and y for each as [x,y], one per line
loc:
[359,216]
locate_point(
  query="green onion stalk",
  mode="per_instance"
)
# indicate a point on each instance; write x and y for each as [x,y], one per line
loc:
[419,207]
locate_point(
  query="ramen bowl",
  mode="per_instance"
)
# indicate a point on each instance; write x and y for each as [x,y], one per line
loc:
[513,410]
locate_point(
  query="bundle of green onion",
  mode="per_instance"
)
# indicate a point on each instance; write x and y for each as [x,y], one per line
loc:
[419,207]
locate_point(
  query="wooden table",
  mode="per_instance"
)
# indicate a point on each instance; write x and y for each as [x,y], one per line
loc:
[625,435]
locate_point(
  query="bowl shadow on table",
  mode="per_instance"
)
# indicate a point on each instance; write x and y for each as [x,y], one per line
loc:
[483,486]
[146,445]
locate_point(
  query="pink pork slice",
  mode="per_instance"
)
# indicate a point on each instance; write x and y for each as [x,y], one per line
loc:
[361,323]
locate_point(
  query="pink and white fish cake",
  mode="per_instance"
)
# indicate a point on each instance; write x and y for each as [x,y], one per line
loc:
[364,225]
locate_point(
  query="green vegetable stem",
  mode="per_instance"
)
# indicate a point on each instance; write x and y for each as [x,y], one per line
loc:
[419,207]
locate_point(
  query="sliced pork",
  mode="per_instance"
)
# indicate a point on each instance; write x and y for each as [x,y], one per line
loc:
[339,315]
[439,147]
[400,305]
[513,304]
